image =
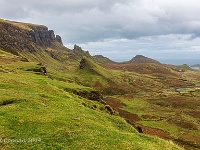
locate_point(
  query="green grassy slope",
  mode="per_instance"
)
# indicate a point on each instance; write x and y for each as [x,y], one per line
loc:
[91,73]
[37,112]
[114,82]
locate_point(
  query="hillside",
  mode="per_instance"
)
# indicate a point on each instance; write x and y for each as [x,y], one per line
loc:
[68,99]
[40,113]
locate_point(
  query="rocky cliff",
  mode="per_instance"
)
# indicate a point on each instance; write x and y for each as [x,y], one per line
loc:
[43,37]
[37,43]
[16,36]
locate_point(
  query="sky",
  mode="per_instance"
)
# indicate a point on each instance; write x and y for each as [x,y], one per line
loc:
[117,29]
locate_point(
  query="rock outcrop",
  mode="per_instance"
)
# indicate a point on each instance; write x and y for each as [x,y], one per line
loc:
[82,63]
[44,37]
[59,39]
[79,53]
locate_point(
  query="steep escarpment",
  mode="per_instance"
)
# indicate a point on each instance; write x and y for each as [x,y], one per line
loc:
[16,37]
[38,43]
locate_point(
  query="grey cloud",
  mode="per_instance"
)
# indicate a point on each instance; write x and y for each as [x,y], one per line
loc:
[100,19]
[10,9]
[85,21]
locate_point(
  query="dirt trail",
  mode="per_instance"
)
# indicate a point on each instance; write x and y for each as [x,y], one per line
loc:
[133,118]
[155,132]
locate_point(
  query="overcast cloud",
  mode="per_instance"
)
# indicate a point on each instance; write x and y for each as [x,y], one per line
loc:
[119,29]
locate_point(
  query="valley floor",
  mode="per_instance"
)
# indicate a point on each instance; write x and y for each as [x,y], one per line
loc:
[175,117]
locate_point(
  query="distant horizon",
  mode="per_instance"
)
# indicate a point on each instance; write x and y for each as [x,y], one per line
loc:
[124,58]
[169,61]
[189,62]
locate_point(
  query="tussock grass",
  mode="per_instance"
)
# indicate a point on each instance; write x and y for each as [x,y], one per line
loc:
[20,25]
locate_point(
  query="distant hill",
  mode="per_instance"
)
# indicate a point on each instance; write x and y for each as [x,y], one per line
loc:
[184,67]
[180,68]
[142,59]
[102,60]
[197,66]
